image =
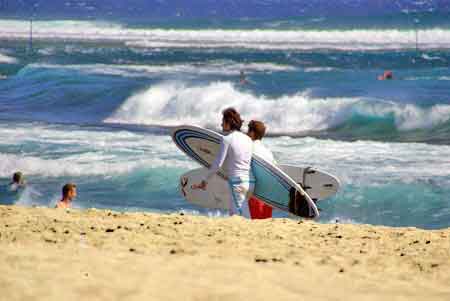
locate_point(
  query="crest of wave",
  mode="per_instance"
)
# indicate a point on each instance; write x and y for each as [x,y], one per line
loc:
[174,103]
[80,165]
[409,116]
[5,59]
[218,38]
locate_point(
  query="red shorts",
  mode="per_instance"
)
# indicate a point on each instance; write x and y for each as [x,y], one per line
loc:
[258,209]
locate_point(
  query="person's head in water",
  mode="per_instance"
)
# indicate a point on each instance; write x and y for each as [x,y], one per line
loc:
[69,191]
[231,120]
[17,178]
[256,130]
[386,75]
[17,182]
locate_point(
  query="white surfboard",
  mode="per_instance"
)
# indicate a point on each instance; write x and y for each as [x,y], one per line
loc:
[319,185]
[273,186]
[216,195]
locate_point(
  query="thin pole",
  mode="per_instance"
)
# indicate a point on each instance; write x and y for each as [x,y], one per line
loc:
[31,36]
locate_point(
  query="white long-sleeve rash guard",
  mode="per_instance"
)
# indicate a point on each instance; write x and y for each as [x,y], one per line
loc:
[236,152]
[261,150]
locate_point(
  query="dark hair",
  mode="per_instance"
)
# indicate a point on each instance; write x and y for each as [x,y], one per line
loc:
[258,128]
[68,187]
[232,117]
[17,177]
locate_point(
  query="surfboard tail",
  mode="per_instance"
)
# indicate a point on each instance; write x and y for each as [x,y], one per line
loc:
[299,205]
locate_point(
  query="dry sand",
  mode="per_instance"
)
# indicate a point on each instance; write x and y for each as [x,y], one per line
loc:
[50,254]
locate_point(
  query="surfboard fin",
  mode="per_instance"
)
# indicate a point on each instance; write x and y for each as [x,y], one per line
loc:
[298,204]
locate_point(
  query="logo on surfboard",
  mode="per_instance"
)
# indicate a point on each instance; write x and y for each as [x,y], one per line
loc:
[205,150]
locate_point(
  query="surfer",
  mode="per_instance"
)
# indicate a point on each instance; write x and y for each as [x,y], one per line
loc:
[236,150]
[256,131]
[69,192]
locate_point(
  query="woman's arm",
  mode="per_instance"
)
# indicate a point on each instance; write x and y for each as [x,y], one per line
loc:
[215,166]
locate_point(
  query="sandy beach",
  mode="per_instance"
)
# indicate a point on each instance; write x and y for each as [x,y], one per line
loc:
[49,254]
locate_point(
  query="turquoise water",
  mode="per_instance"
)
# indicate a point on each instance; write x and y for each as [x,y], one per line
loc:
[91,101]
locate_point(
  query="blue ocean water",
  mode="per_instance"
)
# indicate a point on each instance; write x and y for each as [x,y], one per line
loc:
[90,99]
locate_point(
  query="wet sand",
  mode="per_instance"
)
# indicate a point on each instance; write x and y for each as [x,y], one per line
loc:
[49,254]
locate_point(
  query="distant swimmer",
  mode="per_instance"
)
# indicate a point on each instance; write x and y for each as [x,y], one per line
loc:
[69,192]
[243,78]
[18,181]
[256,131]
[387,75]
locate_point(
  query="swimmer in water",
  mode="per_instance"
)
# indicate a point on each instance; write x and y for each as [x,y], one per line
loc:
[387,75]
[243,79]
[17,182]
[69,192]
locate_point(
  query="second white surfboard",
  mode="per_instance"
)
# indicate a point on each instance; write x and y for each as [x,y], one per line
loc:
[318,184]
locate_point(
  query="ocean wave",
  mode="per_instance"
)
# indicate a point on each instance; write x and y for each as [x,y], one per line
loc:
[215,67]
[318,69]
[54,151]
[428,78]
[431,58]
[6,59]
[47,51]
[88,164]
[174,103]
[363,39]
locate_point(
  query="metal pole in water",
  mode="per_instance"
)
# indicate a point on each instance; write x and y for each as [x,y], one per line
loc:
[34,6]
[31,36]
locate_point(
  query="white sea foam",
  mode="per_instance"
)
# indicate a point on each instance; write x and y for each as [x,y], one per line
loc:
[47,51]
[74,152]
[428,78]
[85,153]
[81,165]
[407,117]
[174,103]
[215,67]
[29,196]
[367,162]
[431,58]
[319,69]
[6,59]
[218,38]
